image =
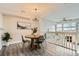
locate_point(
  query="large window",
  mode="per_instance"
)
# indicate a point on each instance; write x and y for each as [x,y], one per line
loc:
[52,28]
[78,27]
[69,27]
[59,27]
[66,27]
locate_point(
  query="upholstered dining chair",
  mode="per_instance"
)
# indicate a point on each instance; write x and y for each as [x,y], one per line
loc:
[41,39]
[25,42]
[41,43]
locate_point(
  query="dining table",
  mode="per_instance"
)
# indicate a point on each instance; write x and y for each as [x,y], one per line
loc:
[33,38]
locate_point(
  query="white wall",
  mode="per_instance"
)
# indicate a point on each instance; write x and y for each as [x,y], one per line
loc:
[1,29]
[10,25]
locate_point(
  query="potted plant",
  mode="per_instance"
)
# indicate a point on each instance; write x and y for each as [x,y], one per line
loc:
[5,38]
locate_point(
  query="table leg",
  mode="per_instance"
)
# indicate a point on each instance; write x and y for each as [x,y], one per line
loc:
[32,42]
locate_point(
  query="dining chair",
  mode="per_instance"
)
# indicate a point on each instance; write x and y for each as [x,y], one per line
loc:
[24,41]
[41,39]
[41,43]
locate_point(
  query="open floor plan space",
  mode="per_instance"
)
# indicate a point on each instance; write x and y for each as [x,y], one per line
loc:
[39,29]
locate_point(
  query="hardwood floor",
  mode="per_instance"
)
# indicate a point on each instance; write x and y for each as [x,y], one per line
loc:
[18,49]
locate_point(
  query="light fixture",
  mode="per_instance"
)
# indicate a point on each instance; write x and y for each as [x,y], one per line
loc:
[64,19]
[35,15]
[35,9]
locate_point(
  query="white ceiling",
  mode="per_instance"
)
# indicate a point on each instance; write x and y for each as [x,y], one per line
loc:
[69,11]
[25,9]
[52,12]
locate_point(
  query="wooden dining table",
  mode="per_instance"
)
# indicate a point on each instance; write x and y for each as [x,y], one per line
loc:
[33,38]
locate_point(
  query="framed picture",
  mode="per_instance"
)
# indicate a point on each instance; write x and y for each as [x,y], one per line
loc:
[23,25]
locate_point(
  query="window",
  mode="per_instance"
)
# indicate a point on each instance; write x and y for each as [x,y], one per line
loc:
[52,28]
[59,27]
[69,27]
[78,27]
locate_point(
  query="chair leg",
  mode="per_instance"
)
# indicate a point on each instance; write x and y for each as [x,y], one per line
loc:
[43,50]
[23,47]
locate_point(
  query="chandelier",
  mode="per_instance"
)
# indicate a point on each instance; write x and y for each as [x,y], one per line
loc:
[36,15]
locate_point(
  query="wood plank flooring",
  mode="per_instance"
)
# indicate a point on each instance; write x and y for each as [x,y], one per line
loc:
[18,49]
